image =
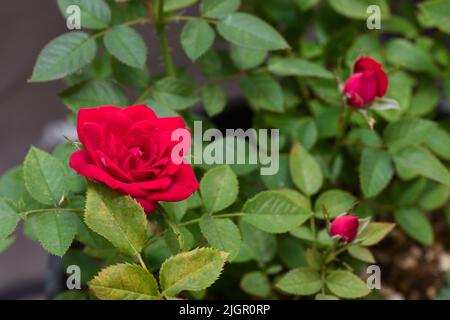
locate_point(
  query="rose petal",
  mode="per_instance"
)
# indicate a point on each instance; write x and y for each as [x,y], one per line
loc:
[96,115]
[184,184]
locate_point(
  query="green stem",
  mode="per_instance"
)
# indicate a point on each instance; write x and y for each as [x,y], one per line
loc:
[126,24]
[190,18]
[344,119]
[26,213]
[323,270]
[220,216]
[161,31]
[141,261]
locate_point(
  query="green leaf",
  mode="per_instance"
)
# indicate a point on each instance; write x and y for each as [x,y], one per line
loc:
[63,56]
[274,212]
[407,193]
[219,188]
[251,32]
[434,198]
[407,132]
[256,284]
[297,67]
[125,282]
[93,14]
[194,270]
[400,25]
[71,295]
[300,281]
[366,137]
[305,171]
[415,224]
[400,89]
[307,132]
[291,252]
[245,58]
[263,245]
[130,76]
[422,162]
[263,92]
[305,5]
[12,184]
[281,179]
[437,12]
[361,253]
[176,210]
[303,233]
[75,182]
[320,296]
[424,100]
[374,233]
[357,9]
[439,142]
[118,218]
[345,284]
[375,171]
[403,53]
[92,94]
[9,218]
[218,8]
[174,93]
[196,38]
[172,5]
[335,201]
[214,99]
[125,44]
[44,176]
[54,230]
[222,234]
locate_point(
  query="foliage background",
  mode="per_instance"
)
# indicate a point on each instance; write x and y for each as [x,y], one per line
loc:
[417,65]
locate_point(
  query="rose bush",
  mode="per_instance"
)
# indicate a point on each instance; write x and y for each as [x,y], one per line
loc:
[356,157]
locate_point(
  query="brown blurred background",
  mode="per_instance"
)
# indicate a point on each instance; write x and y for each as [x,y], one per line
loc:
[25,27]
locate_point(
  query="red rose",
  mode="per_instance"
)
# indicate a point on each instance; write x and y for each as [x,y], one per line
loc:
[130,150]
[346,227]
[367,82]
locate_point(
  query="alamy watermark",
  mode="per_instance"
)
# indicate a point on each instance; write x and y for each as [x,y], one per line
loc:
[73,281]
[373,281]
[73,20]
[238,146]
[374,19]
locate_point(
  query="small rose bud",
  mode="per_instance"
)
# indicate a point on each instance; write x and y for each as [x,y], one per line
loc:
[367,82]
[346,227]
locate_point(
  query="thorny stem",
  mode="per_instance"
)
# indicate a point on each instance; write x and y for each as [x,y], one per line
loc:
[127,24]
[161,31]
[222,216]
[190,18]
[26,213]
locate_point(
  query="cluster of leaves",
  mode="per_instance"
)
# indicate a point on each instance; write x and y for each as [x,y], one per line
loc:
[272,230]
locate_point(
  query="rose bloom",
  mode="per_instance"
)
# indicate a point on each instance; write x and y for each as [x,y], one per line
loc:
[346,227]
[367,82]
[130,150]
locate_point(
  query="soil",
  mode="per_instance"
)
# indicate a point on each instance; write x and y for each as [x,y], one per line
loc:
[411,270]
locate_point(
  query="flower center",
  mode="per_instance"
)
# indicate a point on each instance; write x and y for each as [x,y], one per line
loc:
[136,151]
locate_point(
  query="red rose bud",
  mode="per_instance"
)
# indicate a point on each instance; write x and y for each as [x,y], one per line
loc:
[346,227]
[367,82]
[129,149]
